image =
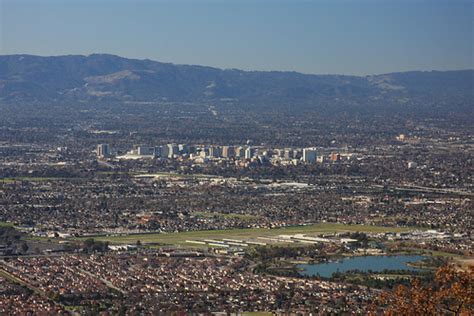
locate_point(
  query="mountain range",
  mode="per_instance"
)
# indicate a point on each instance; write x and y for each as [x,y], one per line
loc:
[99,77]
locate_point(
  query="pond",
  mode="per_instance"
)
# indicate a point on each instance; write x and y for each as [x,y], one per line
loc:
[366,263]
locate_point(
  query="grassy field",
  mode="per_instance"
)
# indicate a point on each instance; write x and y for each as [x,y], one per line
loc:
[180,238]
[108,173]
[435,253]
[35,179]
[5,224]
[7,180]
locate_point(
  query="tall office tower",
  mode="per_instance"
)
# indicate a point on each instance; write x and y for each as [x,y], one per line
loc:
[211,151]
[240,152]
[320,159]
[288,154]
[158,151]
[228,152]
[173,150]
[309,155]
[249,153]
[145,151]
[183,149]
[164,151]
[103,150]
[214,152]
[297,154]
[335,157]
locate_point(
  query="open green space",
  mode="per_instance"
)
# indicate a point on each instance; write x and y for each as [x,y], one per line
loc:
[181,237]
[413,249]
[436,253]
[108,173]
[6,224]
[7,180]
[34,179]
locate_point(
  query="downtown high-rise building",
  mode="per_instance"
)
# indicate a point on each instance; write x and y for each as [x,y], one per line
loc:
[214,152]
[309,155]
[240,152]
[103,150]
[173,150]
[249,153]
[146,151]
[228,151]
[334,157]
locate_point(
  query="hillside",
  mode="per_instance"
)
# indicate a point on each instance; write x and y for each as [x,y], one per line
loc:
[107,77]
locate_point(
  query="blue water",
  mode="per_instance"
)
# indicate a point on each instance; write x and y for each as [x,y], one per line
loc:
[366,263]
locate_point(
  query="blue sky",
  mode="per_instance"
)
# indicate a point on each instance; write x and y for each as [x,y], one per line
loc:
[345,37]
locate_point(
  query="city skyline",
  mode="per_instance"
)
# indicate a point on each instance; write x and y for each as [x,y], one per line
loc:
[251,157]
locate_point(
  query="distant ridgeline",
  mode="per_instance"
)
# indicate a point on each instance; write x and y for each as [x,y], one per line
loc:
[101,78]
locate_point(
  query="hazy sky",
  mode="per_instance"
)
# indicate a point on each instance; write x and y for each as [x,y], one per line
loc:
[350,37]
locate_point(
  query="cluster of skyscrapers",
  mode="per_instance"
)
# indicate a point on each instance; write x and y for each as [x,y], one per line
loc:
[171,151]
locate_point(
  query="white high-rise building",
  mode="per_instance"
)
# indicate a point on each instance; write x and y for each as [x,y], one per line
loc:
[145,151]
[103,150]
[173,150]
[183,149]
[214,151]
[288,153]
[249,153]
